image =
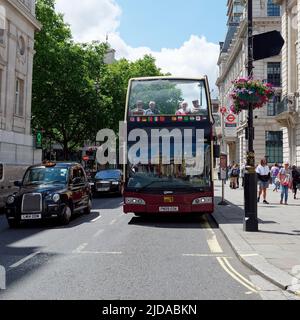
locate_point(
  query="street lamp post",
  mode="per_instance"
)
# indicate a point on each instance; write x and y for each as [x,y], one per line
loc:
[250,191]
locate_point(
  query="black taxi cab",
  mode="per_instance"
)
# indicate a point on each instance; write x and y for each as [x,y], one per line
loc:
[49,190]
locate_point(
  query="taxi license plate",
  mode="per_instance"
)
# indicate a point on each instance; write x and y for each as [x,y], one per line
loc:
[103,189]
[168,209]
[31,216]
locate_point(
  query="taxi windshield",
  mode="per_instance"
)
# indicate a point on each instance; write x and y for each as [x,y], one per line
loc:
[39,176]
[167,97]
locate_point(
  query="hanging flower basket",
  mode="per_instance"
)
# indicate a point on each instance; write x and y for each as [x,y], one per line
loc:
[247,91]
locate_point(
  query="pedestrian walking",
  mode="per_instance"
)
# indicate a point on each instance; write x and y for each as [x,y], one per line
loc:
[285,178]
[263,175]
[274,176]
[243,169]
[234,173]
[296,180]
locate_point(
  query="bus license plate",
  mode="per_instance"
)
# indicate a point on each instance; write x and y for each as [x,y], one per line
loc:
[168,209]
[31,216]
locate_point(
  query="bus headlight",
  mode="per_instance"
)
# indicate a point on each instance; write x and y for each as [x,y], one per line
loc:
[56,197]
[136,201]
[205,200]
[10,200]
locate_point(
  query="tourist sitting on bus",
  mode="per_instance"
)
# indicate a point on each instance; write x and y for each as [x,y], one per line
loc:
[196,107]
[183,111]
[152,109]
[139,110]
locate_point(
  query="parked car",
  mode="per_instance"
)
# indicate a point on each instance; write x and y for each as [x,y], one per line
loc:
[108,181]
[47,191]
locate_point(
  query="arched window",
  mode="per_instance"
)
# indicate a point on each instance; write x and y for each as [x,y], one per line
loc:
[273,9]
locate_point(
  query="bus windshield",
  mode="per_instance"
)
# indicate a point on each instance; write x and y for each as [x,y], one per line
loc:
[184,176]
[167,97]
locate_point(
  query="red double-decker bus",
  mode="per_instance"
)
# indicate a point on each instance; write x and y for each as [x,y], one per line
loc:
[166,176]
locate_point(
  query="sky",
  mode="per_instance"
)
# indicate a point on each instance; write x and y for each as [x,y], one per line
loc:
[182,35]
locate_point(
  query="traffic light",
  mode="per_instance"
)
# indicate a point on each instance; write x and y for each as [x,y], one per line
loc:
[38,140]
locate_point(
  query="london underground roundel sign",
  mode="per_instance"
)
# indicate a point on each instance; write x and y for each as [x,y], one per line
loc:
[230,118]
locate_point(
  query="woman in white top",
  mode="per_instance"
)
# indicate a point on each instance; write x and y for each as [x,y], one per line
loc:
[263,175]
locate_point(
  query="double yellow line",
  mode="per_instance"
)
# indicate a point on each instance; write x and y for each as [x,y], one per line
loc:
[215,248]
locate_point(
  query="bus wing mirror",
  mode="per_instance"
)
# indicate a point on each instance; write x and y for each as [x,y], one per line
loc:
[217,151]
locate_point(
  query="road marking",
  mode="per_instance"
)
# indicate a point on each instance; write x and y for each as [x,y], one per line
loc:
[212,241]
[96,219]
[250,255]
[98,233]
[80,248]
[99,252]
[113,221]
[203,255]
[17,264]
[235,275]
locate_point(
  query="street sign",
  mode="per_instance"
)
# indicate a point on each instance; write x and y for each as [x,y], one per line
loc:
[230,118]
[267,45]
[223,166]
[38,140]
[223,110]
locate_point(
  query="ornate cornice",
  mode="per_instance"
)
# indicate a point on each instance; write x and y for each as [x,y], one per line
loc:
[25,13]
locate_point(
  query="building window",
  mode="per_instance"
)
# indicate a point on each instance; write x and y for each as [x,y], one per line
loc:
[272,106]
[274,146]
[273,9]
[19,103]
[274,73]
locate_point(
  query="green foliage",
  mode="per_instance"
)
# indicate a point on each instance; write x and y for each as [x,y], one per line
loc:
[74,93]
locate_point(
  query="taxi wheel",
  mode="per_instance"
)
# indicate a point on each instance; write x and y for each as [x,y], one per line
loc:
[88,209]
[13,223]
[66,216]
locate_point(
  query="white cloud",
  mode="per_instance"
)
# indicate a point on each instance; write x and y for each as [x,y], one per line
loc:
[94,19]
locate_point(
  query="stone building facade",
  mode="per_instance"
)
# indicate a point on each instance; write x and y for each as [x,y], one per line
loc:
[289,108]
[17,27]
[233,64]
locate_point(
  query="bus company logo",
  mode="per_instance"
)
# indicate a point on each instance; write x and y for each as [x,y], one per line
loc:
[2,278]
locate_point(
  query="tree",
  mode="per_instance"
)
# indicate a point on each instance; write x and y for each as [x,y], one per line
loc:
[74,93]
[114,84]
[66,102]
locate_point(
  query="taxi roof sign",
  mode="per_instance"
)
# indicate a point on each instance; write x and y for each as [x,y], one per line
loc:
[49,164]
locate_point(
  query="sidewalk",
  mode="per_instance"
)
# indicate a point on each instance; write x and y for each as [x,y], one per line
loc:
[274,251]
